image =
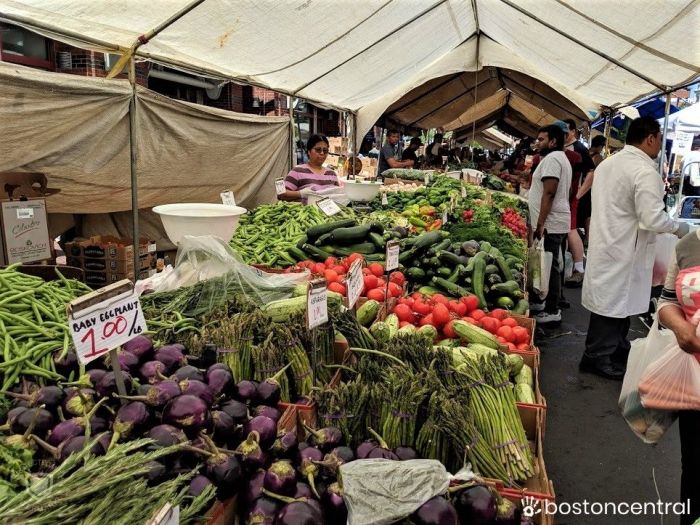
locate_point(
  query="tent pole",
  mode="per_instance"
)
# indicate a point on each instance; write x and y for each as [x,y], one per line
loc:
[354,142]
[132,158]
[664,131]
[292,147]
[606,131]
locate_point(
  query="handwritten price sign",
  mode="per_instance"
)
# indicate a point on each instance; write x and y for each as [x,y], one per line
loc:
[316,304]
[355,283]
[98,326]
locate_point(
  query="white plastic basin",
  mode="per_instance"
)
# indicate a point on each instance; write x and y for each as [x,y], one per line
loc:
[198,219]
[362,191]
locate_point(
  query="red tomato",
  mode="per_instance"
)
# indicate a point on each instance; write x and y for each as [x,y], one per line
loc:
[428,319]
[509,321]
[376,269]
[439,298]
[319,268]
[410,301]
[377,294]
[490,324]
[337,287]
[523,347]
[471,302]
[331,276]
[353,257]
[339,269]
[330,262]
[501,340]
[404,313]
[449,331]
[421,308]
[417,295]
[370,282]
[477,315]
[470,320]
[506,332]
[365,271]
[499,313]
[457,307]
[395,290]
[511,347]
[522,336]
[398,278]
[404,323]
[381,283]
[441,315]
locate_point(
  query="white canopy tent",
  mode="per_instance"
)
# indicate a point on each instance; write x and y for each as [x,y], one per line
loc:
[365,54]
[686,120]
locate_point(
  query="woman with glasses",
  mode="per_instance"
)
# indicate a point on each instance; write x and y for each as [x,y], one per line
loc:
[311,176]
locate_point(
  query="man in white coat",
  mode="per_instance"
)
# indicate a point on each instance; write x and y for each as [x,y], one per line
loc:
[627,213]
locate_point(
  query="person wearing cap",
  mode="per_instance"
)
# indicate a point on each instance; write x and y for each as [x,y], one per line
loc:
[410,152]
[627,214]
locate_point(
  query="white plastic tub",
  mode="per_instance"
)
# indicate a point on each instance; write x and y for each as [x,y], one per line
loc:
[198,218]
[361,191]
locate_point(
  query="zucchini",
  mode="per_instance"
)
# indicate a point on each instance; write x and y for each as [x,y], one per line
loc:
[300,244]
[378,240]
[505,302]
[456,274]
[444,271]
[490,268]
[510,288]
[392,321]
[407,329]
[415,273]
[428,290]
[450,259]
[521,307]
[376,227]
[315,232]
[502,264]
[316,253]
[296,253]
[429,331]
[367,313]
[453,289]
[365,248]
[478,279]
[473,334]
[380,331]
[524,394]
[282,310]
[351,235]
[426,240]
[437,248]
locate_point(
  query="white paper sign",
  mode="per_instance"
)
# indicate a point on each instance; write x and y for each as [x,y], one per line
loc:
[328,206]
[280,188]
[682,143]
[316,304]
[228,199]
[166,515]
[426,179]
[385,200]
[355,283]
[392,255]
[25,213]
[106,325]
[464,192]
[444,217]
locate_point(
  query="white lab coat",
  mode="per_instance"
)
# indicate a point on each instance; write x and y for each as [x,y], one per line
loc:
[627,213]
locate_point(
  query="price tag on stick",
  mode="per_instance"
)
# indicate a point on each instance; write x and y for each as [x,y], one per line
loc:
[355,283]
[227,198]
[444,217]
[328,206]
[392,255]
[104,320]
[385,200]
[464,191]
[280,188]
[426,178]
[316,304]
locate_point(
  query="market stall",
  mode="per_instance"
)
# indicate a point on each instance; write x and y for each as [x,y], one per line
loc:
[425,371]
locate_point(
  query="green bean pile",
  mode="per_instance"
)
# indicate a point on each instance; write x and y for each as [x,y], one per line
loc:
[33,324]
[265,233]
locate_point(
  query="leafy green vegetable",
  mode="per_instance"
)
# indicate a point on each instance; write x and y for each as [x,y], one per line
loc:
[15,464]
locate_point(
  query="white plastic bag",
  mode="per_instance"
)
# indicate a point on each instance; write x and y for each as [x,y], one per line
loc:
[381,491]
[540,267]
[665,244]
[648,424]
[672,382]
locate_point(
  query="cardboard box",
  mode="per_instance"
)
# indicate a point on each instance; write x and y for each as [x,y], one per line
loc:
[112,265]
[108,247]
[25,232]
[99,279]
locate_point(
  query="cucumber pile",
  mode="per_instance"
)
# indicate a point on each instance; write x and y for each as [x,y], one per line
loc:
[436,264]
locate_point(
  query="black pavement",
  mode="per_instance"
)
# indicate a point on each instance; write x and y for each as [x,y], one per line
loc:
[590,452]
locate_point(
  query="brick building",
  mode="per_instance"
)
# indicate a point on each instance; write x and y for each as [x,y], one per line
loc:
[21,46]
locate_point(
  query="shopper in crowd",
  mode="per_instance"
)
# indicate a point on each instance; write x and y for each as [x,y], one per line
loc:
[691,170]
[435,151]
[390,154]
[583,195]
[627,213]
[410,152]
[310,176]
[678,310]
[574,239]
[550,216]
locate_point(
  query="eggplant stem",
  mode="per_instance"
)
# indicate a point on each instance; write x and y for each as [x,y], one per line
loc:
[457,488]
[314,433]
[31,426]
[115,437]
[209,443]
[190,448]
[61,416]
[23,397]
[279,497]
[312,484]
[379,438]
[88,417]
[43,444]
[377,352]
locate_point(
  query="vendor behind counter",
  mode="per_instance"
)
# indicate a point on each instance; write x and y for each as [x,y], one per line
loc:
[312,176]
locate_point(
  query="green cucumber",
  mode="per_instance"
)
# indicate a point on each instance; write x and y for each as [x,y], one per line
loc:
[315,232]
[351,235]
[453,289]
[378,240]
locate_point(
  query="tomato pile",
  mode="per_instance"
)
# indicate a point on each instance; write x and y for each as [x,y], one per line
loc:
[441,312]
[512,220]
[334,271]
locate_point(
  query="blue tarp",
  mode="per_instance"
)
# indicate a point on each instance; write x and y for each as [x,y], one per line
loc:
[651,108]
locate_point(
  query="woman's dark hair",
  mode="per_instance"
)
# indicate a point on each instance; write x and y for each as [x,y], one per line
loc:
[598,141]
[555,133]
[641,128]
[315,139]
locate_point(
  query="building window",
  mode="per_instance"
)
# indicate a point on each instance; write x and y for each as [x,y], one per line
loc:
[22,46]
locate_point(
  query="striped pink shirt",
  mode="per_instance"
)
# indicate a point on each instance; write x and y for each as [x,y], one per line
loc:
[301,177]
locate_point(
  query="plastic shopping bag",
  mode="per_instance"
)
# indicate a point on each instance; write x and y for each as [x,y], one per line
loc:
[540,266]
[665,244]
[672,382]
[648,424]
